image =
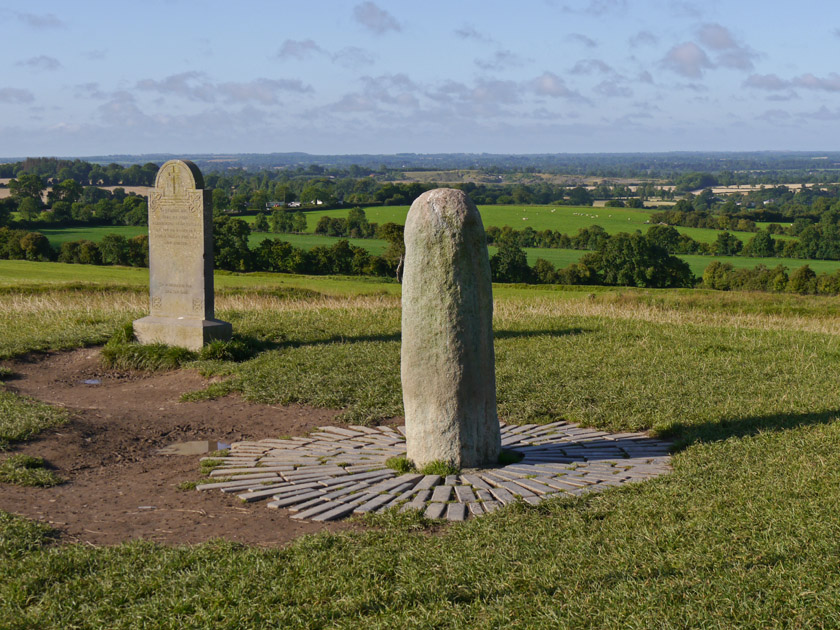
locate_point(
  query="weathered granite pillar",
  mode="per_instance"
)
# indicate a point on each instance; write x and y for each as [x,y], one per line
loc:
[448,362]
[180,262]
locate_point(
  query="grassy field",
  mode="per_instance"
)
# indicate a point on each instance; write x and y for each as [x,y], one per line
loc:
[743,534]
[57,236]
[565,257]
[308,241]
[566,219]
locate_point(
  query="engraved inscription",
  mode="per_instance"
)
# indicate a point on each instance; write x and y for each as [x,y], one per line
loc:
[198,305]
[157,303]
[176,224]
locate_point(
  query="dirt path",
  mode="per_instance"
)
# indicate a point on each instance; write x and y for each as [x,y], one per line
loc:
[119,488]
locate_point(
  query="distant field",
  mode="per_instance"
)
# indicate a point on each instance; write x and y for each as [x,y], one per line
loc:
[22,272]
[565,257]
[558,257]
[308,241]
[57,236]
[566,219]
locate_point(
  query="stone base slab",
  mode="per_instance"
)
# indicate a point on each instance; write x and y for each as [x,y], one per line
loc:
[186,333]
[338,471]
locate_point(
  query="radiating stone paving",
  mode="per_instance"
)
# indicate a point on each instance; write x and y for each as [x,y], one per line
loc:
[339,471]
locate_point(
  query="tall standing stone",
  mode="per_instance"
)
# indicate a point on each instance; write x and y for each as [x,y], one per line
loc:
[180,262]
[448,362]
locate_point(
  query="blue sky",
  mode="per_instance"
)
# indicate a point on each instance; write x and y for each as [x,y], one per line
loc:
[539,76]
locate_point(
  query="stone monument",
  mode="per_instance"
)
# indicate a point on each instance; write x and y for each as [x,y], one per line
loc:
[448,361]
[180,262]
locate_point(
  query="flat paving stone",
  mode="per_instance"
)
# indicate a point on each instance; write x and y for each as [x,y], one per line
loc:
[340,470]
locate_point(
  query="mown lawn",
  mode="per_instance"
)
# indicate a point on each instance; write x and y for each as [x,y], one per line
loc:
[745,533]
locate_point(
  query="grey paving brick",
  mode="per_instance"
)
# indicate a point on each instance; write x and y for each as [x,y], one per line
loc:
[456,512]
[441,494]
[429,481]
[503,495]
[516,489]
[435,510]
[374,503]
[287,499]
[475,509]
[464,494]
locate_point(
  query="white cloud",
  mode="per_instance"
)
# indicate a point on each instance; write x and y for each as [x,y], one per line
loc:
[469,32]
[583,39]
[731,54]
[597,7]
[39,21]
[41,62]
[16,96]
[688,60]
[299,49]
[613,89]
[831,83]
[501,60]
[195,86]
[766,82]
[590,66]
[808,81]
[375,19]
[549,84]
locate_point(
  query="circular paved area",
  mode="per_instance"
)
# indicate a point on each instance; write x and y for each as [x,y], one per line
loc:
[339,471]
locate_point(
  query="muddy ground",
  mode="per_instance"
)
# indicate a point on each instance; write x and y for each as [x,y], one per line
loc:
[118,486]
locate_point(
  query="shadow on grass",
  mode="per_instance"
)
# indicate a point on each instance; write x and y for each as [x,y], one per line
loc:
[525,334]
[256,345]
[684,435]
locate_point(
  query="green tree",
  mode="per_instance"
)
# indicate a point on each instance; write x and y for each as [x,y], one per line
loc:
[761,245]
[632,260]
[261,223]
[35,246]
[29,208]
[802,280]
[510,264]
[727,245]
[28,186]
[114,249]
[299,223]
[281,221]
[230,243]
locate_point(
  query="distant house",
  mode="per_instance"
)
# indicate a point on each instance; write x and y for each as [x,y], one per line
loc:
[294,204]
[274,204]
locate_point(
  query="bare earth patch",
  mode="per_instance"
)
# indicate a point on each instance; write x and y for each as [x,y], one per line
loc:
[119,488]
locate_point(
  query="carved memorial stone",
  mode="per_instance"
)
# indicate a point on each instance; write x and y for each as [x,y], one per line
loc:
[448,361]
[180,262]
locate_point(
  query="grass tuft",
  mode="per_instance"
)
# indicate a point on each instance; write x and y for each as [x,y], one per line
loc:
[401,464]
[19,536]
[209,465]
[22,418]
[438,467]
[26,470]
[5,372]
[211,392]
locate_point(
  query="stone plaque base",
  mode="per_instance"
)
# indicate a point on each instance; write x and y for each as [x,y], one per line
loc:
[186,333]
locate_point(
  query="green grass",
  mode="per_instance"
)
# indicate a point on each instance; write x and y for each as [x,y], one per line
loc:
[565,257]
[26,470]
[22,419]
[308,241]
[57,236]
[743,533]
[566,219]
